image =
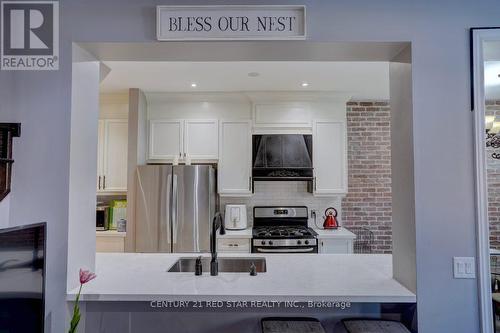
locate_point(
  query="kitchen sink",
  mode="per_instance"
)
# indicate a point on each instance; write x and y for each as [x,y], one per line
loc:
[226,265]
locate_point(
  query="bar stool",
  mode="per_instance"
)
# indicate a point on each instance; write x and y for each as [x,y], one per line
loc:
[291,325]
[364,239]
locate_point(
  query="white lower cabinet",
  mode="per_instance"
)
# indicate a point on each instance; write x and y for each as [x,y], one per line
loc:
[330,157]
[235,162]
[335,246]
[110,241]
[240,245]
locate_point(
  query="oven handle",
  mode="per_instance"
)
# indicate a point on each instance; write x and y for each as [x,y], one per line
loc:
[305,250]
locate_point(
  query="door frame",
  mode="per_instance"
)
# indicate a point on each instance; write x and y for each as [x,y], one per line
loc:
[477,37]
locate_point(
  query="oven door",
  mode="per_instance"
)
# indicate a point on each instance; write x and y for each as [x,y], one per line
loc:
[285,249]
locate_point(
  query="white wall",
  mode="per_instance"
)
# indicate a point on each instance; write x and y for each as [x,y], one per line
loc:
[444,196]
[113,106]
[4,212]
[198,106]
[403,186]
[83,166]
[323,105]
[285,193]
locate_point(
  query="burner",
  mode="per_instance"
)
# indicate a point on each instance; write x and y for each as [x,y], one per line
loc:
[283,232]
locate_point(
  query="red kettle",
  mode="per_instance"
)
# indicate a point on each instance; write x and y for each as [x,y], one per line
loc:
[331,219]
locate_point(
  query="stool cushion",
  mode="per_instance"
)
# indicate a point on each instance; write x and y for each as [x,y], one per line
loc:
[374,326]
[291,325]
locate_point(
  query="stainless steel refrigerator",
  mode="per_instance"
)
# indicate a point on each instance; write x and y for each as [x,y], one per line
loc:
[174,208]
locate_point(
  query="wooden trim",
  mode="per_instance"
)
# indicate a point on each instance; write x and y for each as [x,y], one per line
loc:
[7,132]
[482,225]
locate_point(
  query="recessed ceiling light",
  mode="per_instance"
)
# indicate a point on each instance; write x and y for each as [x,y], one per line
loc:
[305,84]
[253,74]
[193,85]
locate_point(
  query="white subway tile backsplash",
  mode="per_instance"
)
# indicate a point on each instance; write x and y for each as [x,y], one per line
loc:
[290,193]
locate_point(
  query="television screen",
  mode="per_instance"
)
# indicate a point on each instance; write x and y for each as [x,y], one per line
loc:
[22,273]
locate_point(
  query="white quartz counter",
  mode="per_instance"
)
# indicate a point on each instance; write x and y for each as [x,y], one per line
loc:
[340,233]
[245,233]
[294,277]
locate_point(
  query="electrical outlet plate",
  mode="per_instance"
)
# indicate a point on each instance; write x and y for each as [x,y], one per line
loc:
[464,268]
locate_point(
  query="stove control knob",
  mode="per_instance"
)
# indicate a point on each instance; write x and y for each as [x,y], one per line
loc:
[270,242]
[263,242]
[306,242]
[299,242]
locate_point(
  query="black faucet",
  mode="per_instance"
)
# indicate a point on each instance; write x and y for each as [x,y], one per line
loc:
[217,223]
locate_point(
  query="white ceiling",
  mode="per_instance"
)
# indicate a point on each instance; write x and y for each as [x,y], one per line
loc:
[364,80]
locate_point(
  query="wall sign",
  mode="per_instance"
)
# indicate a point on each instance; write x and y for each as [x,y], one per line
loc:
[230,22]
[29,35]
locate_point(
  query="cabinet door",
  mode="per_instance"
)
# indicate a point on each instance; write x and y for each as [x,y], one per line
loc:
[330,157]
[165,139]
[338,246]
[201,139]
[234,174]
[100,155]
[115,155]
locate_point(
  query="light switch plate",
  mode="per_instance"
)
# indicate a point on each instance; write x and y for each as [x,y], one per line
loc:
[464,267]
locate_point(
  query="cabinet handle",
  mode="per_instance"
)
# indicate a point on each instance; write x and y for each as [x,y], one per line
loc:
[180,154]
[314,184]
[250,183]
[235,244]
[99,183]
[103,182]
[322,244]
[184,155]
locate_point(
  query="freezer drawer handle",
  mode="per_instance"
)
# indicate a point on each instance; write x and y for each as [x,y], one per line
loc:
[305,250]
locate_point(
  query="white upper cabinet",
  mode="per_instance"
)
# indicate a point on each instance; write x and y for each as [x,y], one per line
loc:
[100,154]
[112,155]
[115,153]
[282,115]
[196,139]
[234,174]
[201,139]
[165,139]
[330,157]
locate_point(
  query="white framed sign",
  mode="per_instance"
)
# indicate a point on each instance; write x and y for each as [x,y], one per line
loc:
[266,22]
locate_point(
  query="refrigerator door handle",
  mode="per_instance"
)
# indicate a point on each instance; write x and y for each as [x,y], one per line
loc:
[175,201]
[168,211]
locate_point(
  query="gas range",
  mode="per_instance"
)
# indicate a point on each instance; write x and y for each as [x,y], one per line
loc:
[282,230]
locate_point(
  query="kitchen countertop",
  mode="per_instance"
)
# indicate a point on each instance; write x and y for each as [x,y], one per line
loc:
[289,277]
[245,233]
[342,233]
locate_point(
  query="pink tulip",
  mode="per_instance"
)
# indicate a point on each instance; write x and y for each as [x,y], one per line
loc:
[86,276]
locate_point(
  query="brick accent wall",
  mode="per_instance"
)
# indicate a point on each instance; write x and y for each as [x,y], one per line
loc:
[369,202]
[493,176]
